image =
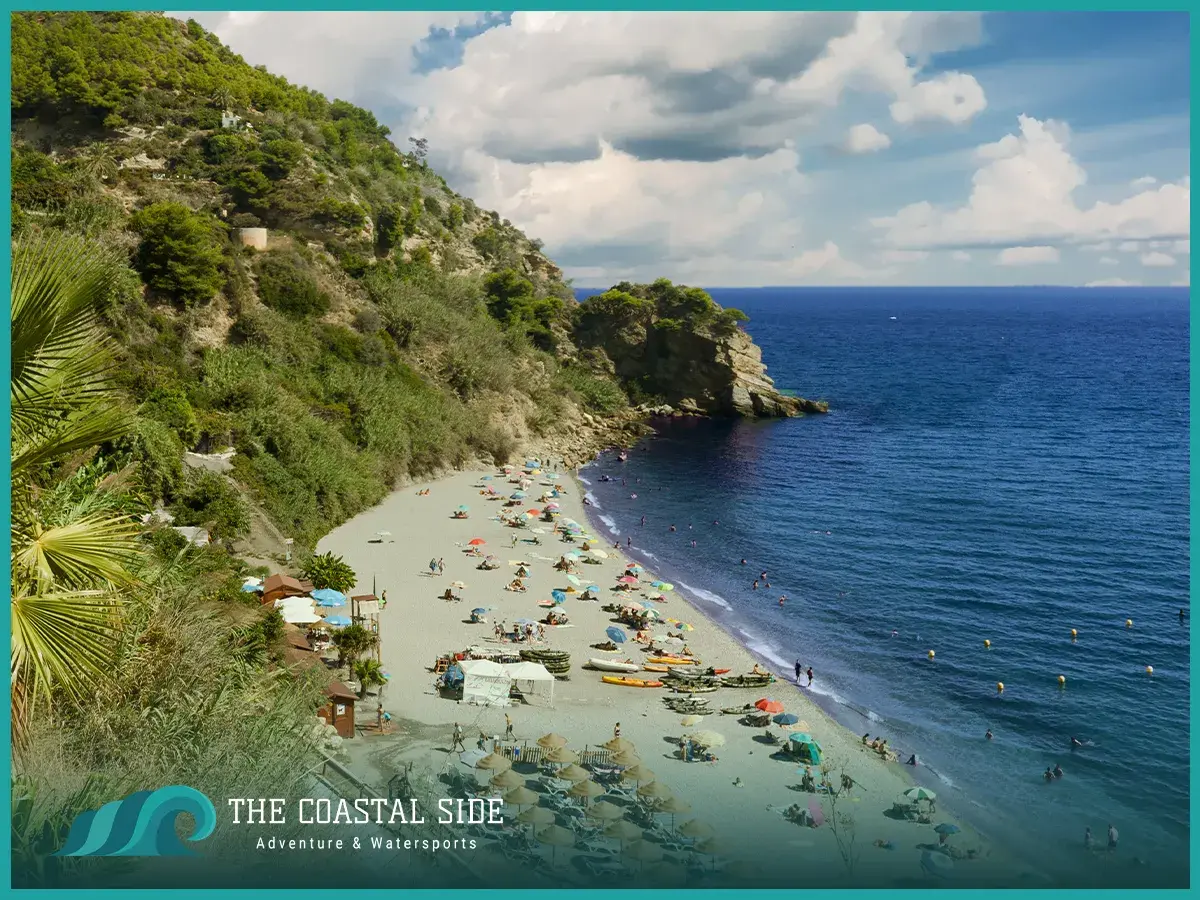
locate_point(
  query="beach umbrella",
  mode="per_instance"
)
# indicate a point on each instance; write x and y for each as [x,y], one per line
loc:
[476,542]
[672,806]
[551,741]
[616,635]
[696,829]
[769,706]
[462,508]
[618,745]
[558,596]
[708,739]
[624,758]
[605,811]
[655,790]
[533,512]
[329,598]
[920,793]
[594,588]
[337,621]
[479,611]
[249,588]
[556,836]
[627,579]
[486,478]
[521,796]
[638,773]
[507,779]
[574,579]
[691,720]
[586,790]
[457,584]
[947,828]
[785,719]
[625,832]
[573,772]
[598,553]
[562,755]
[552,506]
[495,762]
[525,622]
[536,815]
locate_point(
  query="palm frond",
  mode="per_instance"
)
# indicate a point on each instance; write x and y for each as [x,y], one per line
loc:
[93,549]
[61,639]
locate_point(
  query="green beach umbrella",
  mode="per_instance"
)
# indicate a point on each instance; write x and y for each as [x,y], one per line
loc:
[920,793]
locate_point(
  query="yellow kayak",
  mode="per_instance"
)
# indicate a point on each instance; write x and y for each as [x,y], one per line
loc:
[673,660]
[630,682]
[658,668]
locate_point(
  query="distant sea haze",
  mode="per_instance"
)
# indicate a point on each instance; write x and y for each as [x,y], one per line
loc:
[998,464]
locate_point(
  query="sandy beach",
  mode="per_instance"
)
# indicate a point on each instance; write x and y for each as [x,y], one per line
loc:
[741,796]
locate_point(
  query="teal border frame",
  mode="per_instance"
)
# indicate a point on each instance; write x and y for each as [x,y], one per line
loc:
[612,5]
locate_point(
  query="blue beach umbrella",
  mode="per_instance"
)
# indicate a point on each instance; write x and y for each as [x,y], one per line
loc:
[329,597]
[594,588]
[558,596]
[463,508]
[786,719]
[486,478]
[479,611]
[947,828]
[616,634]
[525,622]
[337,621]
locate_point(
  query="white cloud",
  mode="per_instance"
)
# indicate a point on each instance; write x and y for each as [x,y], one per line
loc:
[1024,193]
[866,138]
[1112,282]
[1144,182]
[1130,247]
[1027,256]
[1183,248]
[905,256]
[1102,247]
[1157,260]
[960,256]
[1109,261]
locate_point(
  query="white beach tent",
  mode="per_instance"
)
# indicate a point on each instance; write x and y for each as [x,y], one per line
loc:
[297,610]
[534,682]
[485,683]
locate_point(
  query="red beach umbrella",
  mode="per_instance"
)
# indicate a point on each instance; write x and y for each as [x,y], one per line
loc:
[769,706]
[475,542]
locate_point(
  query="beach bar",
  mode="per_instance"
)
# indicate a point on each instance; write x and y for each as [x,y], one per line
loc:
[279,586]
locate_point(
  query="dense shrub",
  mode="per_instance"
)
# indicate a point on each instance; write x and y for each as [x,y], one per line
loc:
[181,252]
[208,500]
[285,285]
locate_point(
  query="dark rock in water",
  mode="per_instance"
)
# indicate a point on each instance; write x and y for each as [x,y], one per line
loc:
[675,343]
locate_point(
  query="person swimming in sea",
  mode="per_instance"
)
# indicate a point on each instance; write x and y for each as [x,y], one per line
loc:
[1048,775]
[672,528]
[743,562]
[988,734]
[1058,772]
[755,585]
[1075,742]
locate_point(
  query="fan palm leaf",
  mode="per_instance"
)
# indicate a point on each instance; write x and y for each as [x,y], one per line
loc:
[61,639]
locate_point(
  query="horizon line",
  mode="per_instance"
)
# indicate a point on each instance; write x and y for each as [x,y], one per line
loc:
[924,287]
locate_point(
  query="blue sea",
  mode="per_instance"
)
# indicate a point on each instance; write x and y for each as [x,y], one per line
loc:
[997,464]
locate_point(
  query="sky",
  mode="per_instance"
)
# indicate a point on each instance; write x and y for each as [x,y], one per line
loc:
[785,148]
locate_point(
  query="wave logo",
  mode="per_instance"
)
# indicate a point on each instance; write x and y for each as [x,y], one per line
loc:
[143,824]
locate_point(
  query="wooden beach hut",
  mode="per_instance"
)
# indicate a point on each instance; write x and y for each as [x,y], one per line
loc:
[339,711]
[278,586]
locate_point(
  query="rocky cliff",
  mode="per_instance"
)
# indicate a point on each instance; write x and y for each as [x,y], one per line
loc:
[674,345]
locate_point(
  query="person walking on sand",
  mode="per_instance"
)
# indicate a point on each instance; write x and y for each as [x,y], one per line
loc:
[799,670]
[809,673]
[514,541]
[458,739]
[508,729]
[441,566]
[433,567]
[383,600]
[617,730]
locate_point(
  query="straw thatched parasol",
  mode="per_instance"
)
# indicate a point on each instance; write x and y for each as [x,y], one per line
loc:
[586,789]
[562,755]
[625,832]
[507,778]
[551,741]
[696,829]
[573,773]
[605,811]
[655,790]
[556,836]
[521,796]
[618,745]
[495,762]
[708,739]
[536,815]
[638,773]
[688,721]
[624,758]
[674,806]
